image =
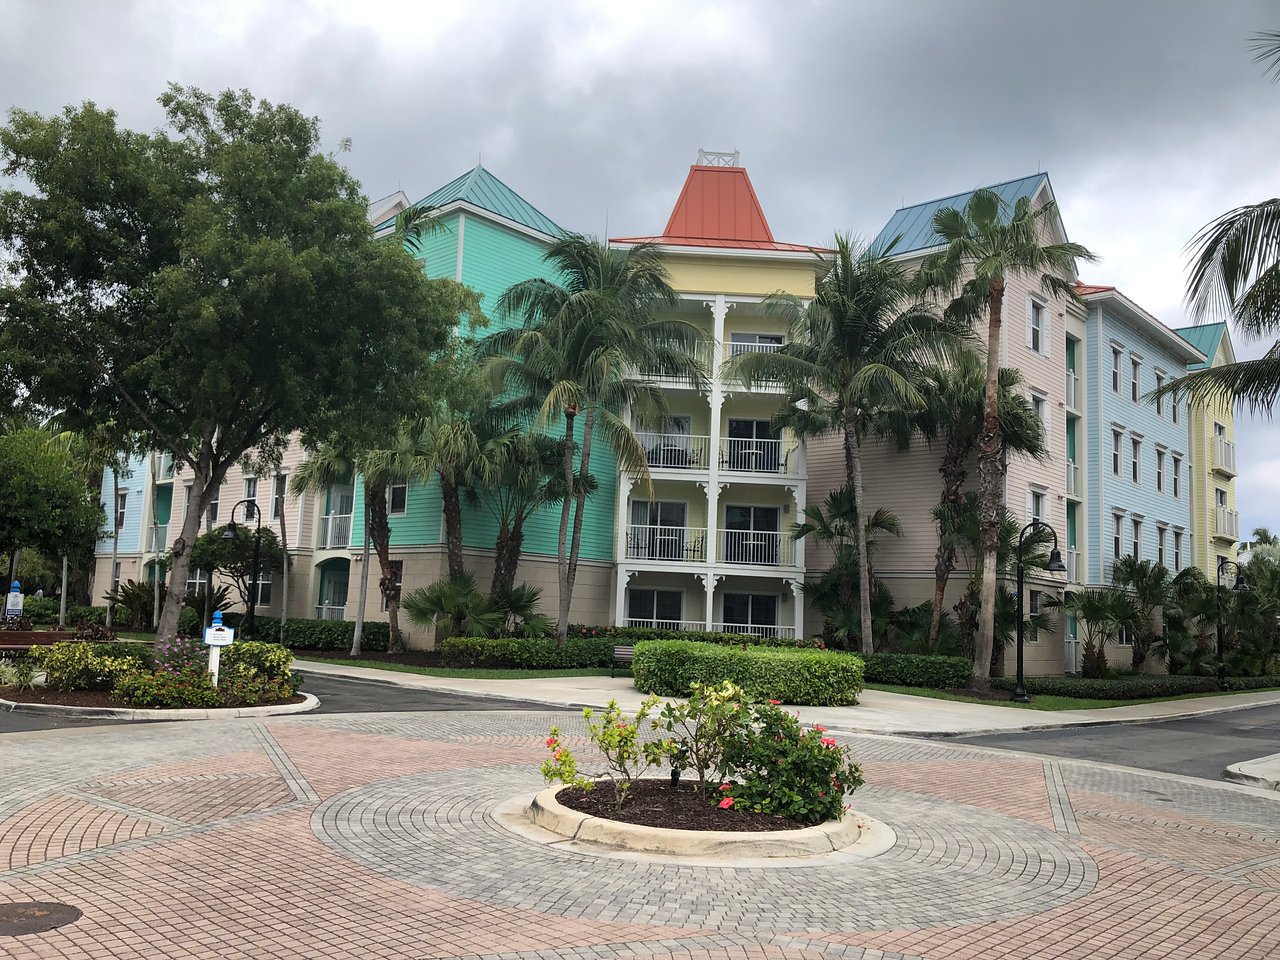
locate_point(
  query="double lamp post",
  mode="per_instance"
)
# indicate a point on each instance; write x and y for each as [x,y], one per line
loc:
[1055,565]
[250,506]
[1238,587]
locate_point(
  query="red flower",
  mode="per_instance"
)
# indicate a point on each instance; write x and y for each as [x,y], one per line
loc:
[819,728]
[726,803]
[775,702]
[551,741]
[828,741]
[726,786]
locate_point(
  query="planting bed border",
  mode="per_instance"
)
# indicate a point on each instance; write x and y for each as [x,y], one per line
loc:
[309,703]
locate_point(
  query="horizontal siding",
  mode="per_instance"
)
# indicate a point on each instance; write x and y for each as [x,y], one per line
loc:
[133,483]
[495,258]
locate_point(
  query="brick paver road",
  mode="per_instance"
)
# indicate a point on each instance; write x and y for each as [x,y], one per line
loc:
[372,836]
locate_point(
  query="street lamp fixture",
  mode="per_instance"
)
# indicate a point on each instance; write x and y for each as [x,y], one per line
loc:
[230,534]
[1238,587]
[1055,565]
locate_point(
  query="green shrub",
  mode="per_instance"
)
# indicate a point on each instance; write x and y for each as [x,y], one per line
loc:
[526,653]
[178,653]
[1249,683]
[303,634]
[88,666]
[1115,688]
[631,635]
[827,678]
[191,688]
[253,658]
[917,670]
[43,611]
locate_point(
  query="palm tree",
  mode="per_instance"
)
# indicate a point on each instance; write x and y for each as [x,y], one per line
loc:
[988,243]
[955,400]
[1103,613]
[854,356]
[575,357]
[415,224]
[1151,587]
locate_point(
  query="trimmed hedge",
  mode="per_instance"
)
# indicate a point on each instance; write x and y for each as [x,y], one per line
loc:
[820,678]
[43,612]
[526,653]
[917,670]
[1249,683]
[1114,688]
[625,635]
[303,634]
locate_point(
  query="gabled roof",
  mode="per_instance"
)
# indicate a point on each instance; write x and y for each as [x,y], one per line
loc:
[915,224]
[718,208]
[1205,337]
[1092,293]
[388,206]
[481,189]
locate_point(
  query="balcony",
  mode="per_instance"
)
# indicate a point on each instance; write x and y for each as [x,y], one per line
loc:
[1073,391]
[157,537]
[329,612]
[1075,485]
[734,349]
[335,532]
[675,451]
[760,548]
[756,630]
[667,624]
[1224,456]
[1226,524]
[670,544]
[772,457]
[703,352]
[1075,571]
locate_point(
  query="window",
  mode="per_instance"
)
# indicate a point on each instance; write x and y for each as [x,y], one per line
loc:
[1116,439]
[1219,431]
[1222,573]
[754,343]
[1159,399]
[251,494]
[1160,471]
[1177,551]
[1136,553]
[658,532]
[115,576]
[1136,462]
[211,513]
[397,577]
[277,499]
[1036,505]
[122,500]
[1125,636]
[262,587]
[1221,496]
[661,609]
[1173,409]
[1160,535]
[752,445]
[1116,359]
[1041,407]
[1177,477]
[1135,379]
[1035,327]
[751,613]
[1117,535]
[752,535]
[1034,603]
[196,581]
[397,499]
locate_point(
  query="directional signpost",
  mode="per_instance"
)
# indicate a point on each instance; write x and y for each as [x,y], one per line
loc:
[13,601]
[215,638]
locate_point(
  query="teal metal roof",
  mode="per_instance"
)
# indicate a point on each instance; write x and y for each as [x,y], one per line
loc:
[915,224]
[482,189]
[1205,337]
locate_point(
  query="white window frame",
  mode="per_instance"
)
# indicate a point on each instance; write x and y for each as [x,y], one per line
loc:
[197,580]
[1032,513]
[1117,441]
[1135,458]
[1040,406]
[1176,465]
[122,509]
[1136,543]
[1037,326]
[256,588]
[1135,378]
[1160,378]
[1117,535]
[1117,359]
[251,494]
[391,493]
[279,490]
[1177,551]
[211,511]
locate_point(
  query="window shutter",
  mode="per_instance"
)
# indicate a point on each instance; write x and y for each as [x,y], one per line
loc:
[1046,335]
[1029,304]
[1029,507]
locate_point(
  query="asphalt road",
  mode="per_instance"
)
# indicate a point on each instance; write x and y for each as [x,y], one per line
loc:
[1194,747]
[336,696]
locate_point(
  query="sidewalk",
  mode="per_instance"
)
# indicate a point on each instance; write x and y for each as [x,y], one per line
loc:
[1263,772]
[877,711]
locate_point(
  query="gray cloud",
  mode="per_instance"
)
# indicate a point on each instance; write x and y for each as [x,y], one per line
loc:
[1148,114]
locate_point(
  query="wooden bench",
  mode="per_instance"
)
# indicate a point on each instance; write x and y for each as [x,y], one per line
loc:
[622,657]
[20,641]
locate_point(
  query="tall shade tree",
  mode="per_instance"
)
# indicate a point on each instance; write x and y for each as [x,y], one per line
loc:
[954,405]
[211,287]
[587,341]
[854,356]
[988,243]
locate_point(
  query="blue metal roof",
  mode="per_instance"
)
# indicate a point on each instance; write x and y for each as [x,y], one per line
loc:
[915,224]
[1205,337]
[482,189]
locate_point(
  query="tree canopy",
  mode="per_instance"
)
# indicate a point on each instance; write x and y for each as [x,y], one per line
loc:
[43,501]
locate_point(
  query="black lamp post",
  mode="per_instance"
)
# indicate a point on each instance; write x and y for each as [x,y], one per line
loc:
[1055,565]
[1239,587]
[230,534]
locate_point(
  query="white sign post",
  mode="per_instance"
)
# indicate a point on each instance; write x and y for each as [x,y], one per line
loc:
[215,638]
[13,601]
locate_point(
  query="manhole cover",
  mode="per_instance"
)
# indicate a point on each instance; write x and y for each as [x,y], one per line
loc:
[19,918]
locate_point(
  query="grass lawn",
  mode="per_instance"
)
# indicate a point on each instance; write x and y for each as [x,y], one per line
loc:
[472,673]
[1045,702]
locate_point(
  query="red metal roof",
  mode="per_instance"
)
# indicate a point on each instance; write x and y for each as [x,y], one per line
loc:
[718,208]
[1088,289]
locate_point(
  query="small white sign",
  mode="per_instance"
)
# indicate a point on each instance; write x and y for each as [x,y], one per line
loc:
[219,636]
[13,604]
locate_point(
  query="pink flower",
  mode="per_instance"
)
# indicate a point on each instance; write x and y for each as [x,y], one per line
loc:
[822,793]
[557,755]
[819,728]
[726,786]
[775,702]
[828,741]
[621,725]
[551,741]
[726,803]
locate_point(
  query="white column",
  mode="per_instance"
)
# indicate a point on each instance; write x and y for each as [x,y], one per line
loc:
[622,578]
[621,574]
[797,593]
[719,307]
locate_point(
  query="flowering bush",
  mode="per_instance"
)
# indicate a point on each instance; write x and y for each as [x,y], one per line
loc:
[618,739]
[780,767]
[713,716]
[176,654]
[192,687]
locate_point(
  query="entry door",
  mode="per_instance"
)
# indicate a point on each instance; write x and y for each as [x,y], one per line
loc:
[333,589]
[658,529]
[752,535]
[751,613]
[753,446]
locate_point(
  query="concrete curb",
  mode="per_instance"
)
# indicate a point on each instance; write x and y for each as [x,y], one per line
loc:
[309,703]
[1264,772]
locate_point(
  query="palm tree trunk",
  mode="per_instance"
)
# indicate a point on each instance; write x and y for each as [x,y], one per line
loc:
[953,475]
[990,490]
[452,524]
[853,451]
[380,536]
[580,501]
[506,560]
[115,543]
[284,567]
[358,633]
[562,546]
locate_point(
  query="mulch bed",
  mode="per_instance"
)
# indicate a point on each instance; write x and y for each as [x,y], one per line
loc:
[89,698]
[981,694]
[412,658]
[653,803]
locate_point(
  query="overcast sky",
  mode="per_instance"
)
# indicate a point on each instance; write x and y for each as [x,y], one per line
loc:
[1148,114]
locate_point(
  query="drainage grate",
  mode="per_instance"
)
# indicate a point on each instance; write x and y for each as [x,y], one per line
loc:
[17,919]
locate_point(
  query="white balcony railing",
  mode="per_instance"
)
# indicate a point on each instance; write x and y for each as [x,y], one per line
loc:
[1073,391]
[326,611]
[674,544]
[704,353]
[335,531]
[755,456]
[762,548]
[733,349]
[157,537]
[756,630]
[1074,570]
[1075,486]
[667,624]
[1227,523]
[675,451]
[1224,455]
